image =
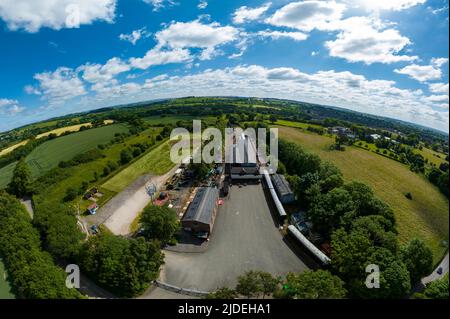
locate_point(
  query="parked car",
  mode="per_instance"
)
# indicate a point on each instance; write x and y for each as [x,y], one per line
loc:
[94,229]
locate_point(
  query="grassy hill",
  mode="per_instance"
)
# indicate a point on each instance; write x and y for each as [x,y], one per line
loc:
[48,155]
[157,161]
[76,175]
[426,216]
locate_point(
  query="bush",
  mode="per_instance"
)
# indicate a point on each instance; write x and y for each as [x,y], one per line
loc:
[34,274]
[409,196]
[71,194]
[83,158]
[124,266]
[125,156]
[319,284]
[112,166]
[159,223]
[106,171]
[136,152]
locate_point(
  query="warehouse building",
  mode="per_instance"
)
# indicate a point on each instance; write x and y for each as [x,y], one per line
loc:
[283,189]
[201,213]
[245,173]
[245,164]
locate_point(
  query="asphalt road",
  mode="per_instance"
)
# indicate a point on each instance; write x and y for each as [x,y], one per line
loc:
[434,275]
[245,237]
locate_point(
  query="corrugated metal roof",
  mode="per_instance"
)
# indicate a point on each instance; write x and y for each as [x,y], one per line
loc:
[310,246]
[281,185]
[202,207]
[245,171]
[245,151]
[276,200]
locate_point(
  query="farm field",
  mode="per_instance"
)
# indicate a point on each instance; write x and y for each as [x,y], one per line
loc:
[12,148]
[6,174]
[156,161]
[86,173]
[296,124]
[58,132]
[49,154]
[72,128]
[5,287]
[33,126]
[425,216]
[432,156]
[156,120]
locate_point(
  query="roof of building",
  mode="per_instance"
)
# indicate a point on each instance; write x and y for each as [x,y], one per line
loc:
[375,136]
[281,185]
[245,171]
[244,151]
[202,207]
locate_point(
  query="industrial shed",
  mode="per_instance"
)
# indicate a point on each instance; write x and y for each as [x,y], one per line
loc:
[245,173]
[283,189]
[201,213]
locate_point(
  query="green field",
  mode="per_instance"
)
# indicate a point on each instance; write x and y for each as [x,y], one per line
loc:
[157,120]
[157,162]
[5,286]
[436,158]
[426,216]
[6,173]
[48,155]
[297,124]
[86,173]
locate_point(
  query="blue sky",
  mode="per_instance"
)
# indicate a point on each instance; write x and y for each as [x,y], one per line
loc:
[384,57]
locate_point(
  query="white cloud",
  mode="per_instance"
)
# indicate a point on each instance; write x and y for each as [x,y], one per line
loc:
[32,15]
[438,87]
[194,34]
[359,39]
[438,98]
[29,89]
[374,5]
[424,73]
[343,89]
[202,4]
[134,36]
[439,62]
[308,15]
[159,4]
[365,40]
[60,85]
[95,73]
[297,36]
[438,10]
[5,102]
[11,107]
[156,56]
[245,14]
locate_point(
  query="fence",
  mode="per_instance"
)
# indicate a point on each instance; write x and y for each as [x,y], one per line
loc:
[178,290]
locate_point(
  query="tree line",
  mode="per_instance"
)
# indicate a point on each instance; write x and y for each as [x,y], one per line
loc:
[319,284]
[34,274]
[360,228]
[124,266]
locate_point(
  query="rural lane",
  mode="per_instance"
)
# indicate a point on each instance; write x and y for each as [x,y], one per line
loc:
[434,275]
